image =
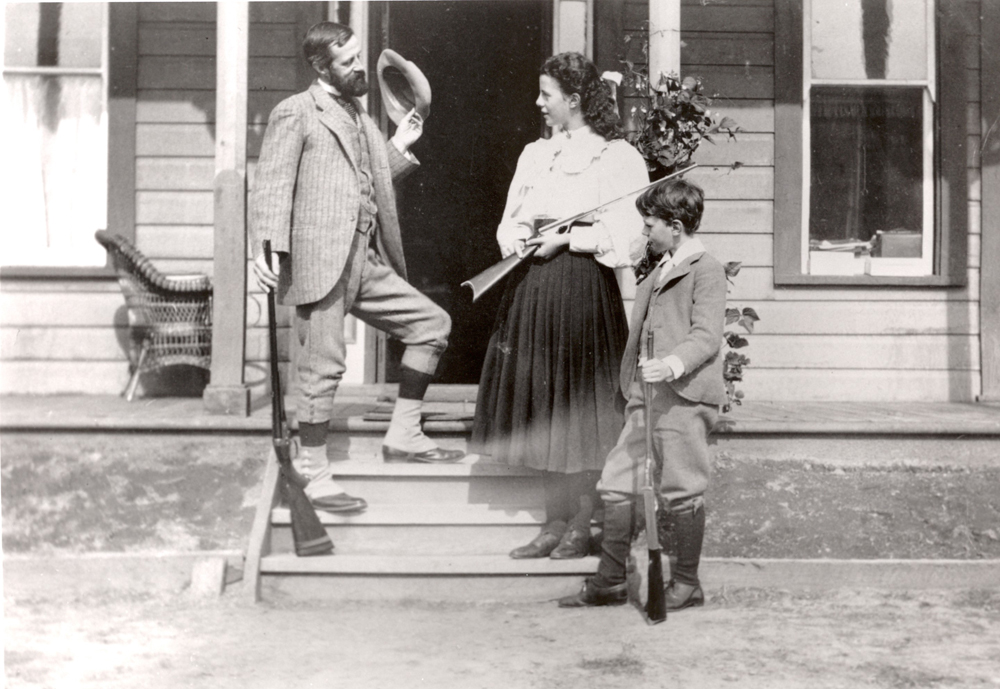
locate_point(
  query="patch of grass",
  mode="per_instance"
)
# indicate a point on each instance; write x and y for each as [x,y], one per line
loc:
[905,678]
[625,663]
[979,599]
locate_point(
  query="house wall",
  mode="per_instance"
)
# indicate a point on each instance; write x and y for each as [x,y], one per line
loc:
[816,343]
[71,336]
[813,343]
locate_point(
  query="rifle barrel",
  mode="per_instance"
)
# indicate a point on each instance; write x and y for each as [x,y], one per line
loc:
[485,280]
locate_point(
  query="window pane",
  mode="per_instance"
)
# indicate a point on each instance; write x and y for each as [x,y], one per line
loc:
[55,169]
[867,176]
[869,39]
[53,34]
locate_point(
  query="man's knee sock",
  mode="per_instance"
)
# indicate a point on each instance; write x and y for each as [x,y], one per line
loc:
[616,543]
[413,384]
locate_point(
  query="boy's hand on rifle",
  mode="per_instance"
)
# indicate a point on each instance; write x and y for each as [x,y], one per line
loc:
[655,370]
[266,276]
[549,244]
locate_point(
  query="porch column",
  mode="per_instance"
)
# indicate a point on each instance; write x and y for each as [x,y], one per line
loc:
[664,38]
[573,27]
[227,393]
[989,263]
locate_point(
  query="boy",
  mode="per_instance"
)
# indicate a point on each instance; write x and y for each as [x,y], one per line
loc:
[683,302]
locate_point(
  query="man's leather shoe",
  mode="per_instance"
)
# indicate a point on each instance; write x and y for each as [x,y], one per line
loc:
[674,602]
[339,503]
[436,456]
[542,545]
[574,544]
[591,596]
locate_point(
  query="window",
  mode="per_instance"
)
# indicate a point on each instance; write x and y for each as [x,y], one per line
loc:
[55,171]
[870,143]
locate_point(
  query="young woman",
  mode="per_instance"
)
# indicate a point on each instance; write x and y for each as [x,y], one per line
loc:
[549,397]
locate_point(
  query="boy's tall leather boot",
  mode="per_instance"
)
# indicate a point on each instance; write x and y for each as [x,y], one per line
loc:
[608,586]
[686,537]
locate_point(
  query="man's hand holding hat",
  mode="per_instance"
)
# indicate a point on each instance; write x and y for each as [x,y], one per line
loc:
[410,129]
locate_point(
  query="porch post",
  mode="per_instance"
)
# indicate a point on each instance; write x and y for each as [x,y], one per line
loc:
[227,393]
[664,38]
[989,263]
[573,26]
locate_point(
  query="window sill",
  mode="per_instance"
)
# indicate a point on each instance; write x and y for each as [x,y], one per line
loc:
[56,273]
[868,281]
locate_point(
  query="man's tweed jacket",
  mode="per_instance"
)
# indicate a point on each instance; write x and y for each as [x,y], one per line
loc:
[687,315]
[306,197]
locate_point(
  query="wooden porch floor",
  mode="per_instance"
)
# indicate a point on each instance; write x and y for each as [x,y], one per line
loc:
[450,409]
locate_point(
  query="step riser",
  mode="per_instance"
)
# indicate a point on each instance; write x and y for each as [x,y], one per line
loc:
[864,450]
[488,490]
[716,575]
[418,540]
[522,589]
[366,446]
[828,448]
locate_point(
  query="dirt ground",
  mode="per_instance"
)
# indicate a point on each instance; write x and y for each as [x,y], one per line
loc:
[750,639]
[79,492]
[92,492]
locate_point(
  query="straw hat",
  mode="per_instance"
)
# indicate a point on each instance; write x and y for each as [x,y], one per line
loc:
[403,86]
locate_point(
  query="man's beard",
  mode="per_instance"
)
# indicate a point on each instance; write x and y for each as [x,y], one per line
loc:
[354,86]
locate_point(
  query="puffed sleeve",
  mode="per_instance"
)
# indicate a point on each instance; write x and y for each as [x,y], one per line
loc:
[515,224]
[617,229]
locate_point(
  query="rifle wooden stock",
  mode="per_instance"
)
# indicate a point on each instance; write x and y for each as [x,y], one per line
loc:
[656,606]
[485,280]
[308,534]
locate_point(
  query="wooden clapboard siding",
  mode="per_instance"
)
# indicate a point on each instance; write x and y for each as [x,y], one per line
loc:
[756,283]
[917,352]
[42,377]
[814,385]
[177,241]
[62,309]
[64,343]
[916,343]
[198,39]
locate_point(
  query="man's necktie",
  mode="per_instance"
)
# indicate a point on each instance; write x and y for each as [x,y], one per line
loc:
[348,105]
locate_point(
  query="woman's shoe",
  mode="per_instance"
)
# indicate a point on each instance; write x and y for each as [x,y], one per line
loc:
[542,546]
[574,544]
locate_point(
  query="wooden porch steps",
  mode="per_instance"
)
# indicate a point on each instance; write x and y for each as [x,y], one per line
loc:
[442,532]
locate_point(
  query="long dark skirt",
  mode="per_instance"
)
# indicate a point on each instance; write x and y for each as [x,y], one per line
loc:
[549,395]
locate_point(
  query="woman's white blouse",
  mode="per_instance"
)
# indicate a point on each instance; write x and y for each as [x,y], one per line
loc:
[571,173]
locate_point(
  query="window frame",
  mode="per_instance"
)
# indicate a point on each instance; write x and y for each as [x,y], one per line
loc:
[950,174]
[122,71]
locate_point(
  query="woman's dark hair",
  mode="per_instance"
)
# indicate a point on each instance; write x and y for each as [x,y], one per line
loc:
[675,199]
[319,38]
[577,74]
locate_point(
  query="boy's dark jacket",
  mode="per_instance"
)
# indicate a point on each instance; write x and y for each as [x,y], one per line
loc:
[687,314]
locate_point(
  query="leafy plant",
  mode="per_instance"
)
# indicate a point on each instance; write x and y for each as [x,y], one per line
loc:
[673,121]
[734,361]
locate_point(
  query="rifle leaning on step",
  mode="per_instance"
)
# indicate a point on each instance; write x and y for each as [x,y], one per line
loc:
[498,271]
[307,532]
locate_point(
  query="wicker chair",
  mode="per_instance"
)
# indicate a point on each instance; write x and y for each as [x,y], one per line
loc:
[170,317]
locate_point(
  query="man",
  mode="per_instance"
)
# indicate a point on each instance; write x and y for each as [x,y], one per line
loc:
[323,195]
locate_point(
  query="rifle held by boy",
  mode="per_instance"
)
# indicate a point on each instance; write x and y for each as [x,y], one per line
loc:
[656,607]
[498,271]
[308,534]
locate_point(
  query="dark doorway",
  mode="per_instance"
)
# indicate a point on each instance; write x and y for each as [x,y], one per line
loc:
[482,60]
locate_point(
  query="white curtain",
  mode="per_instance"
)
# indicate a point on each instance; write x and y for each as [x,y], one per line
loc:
[54,187]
